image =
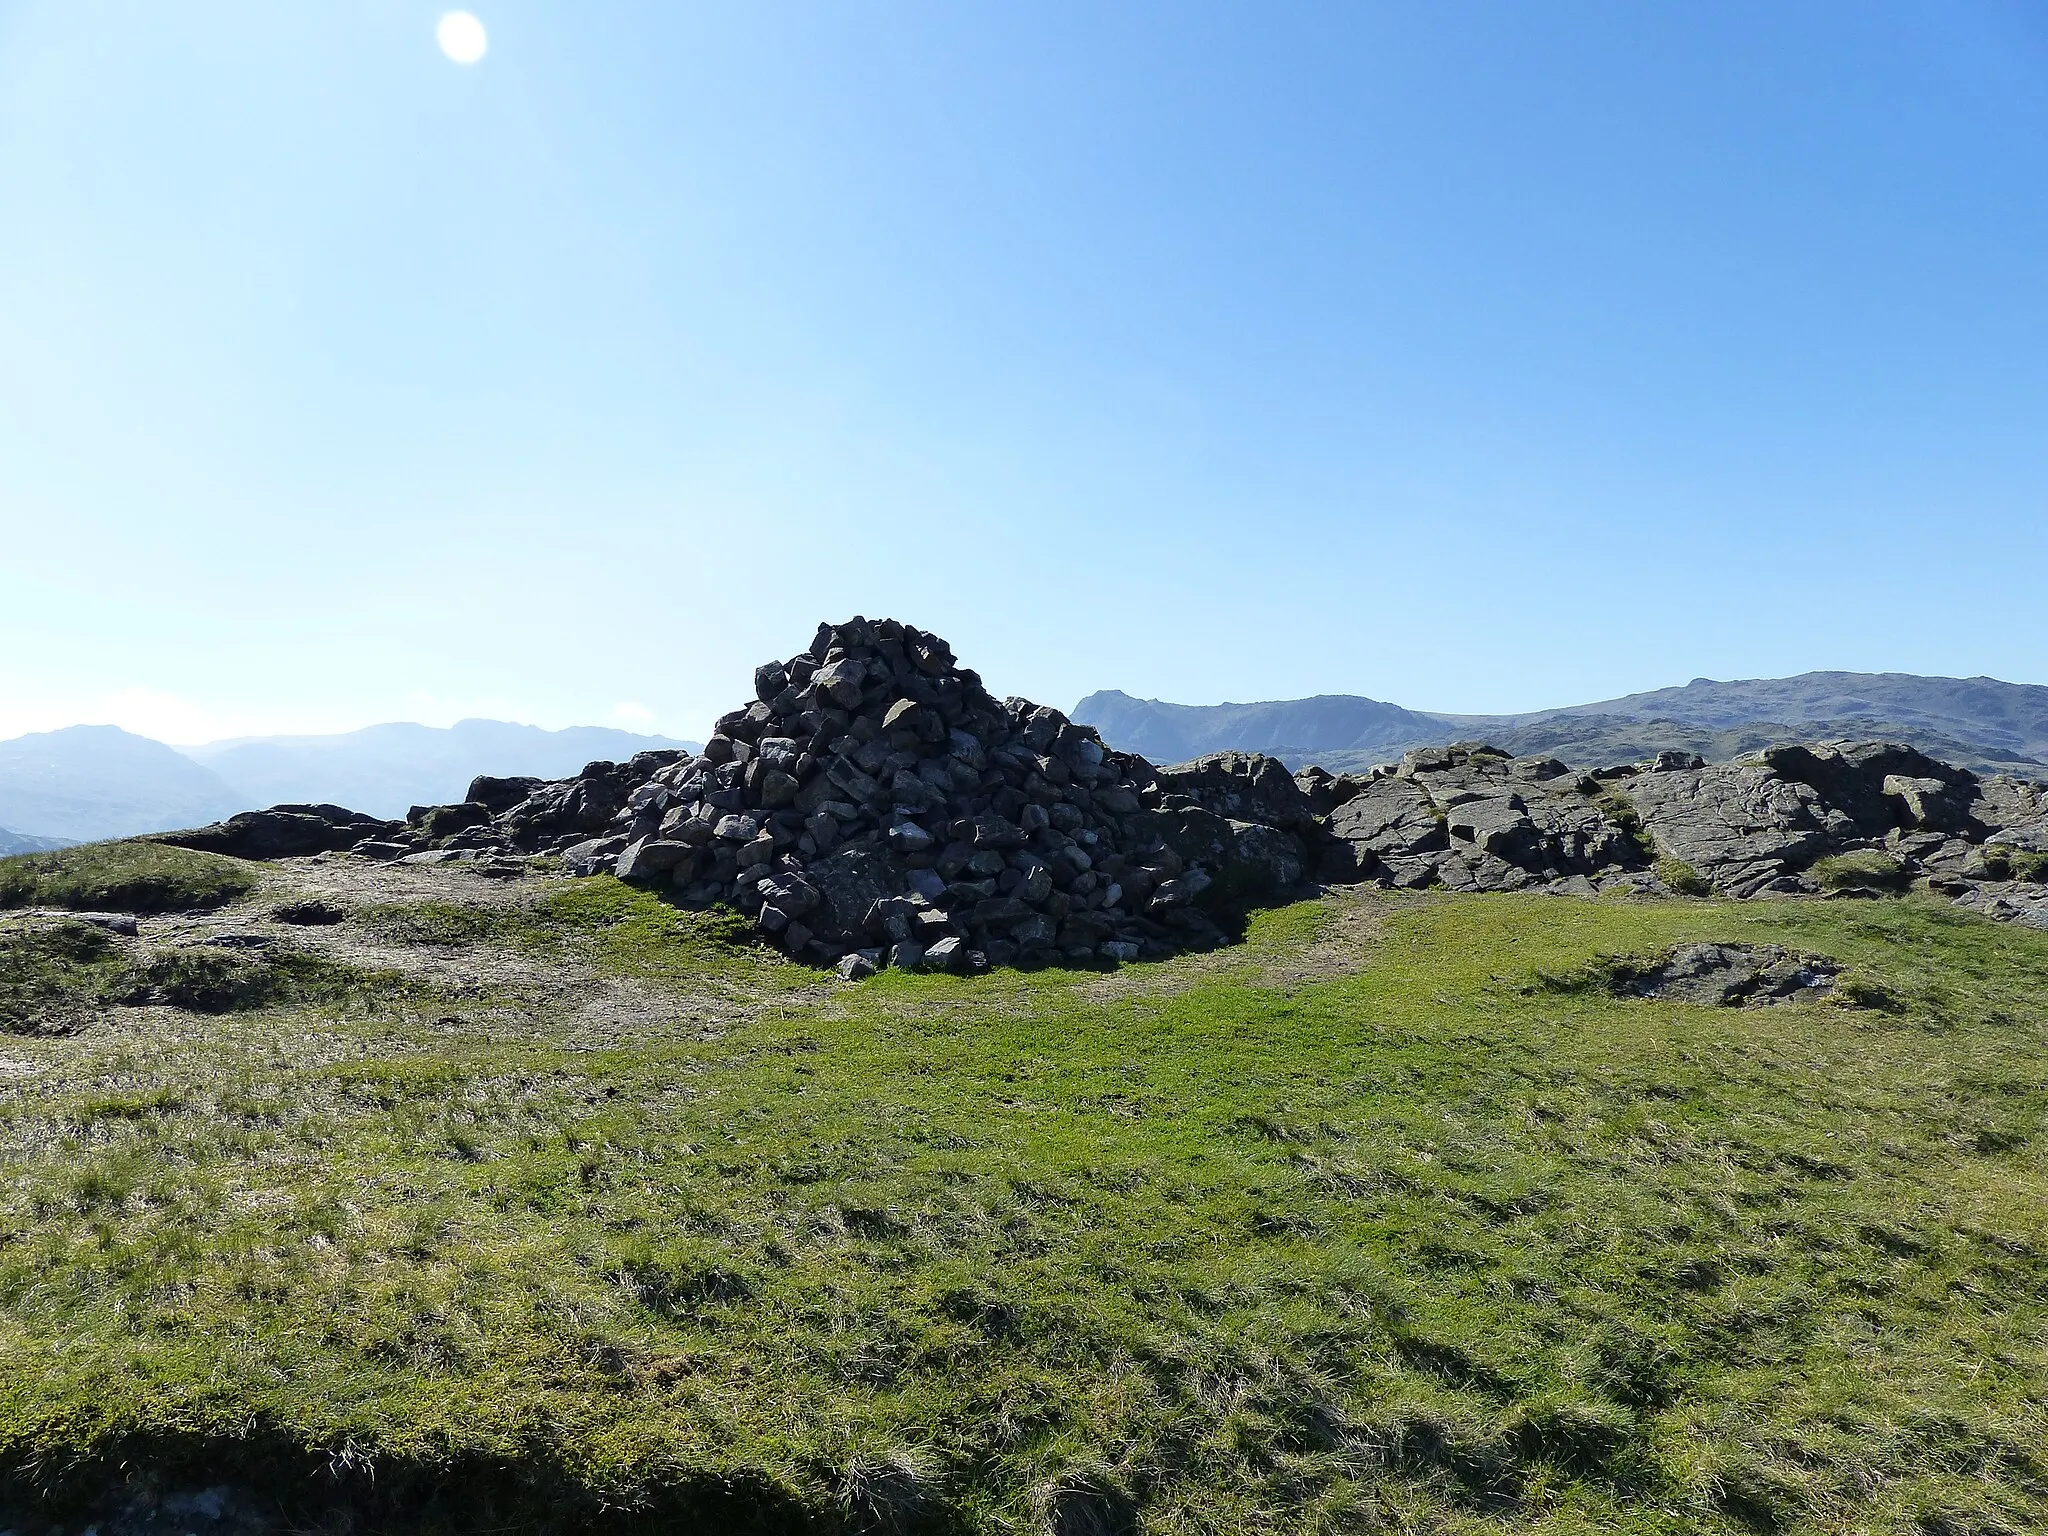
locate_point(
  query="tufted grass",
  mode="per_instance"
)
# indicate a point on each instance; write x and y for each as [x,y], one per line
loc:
[621,930]
[1257,1242]
[56,978]
[1868,870]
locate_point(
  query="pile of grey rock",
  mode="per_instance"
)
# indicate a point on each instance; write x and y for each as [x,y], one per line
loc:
[875,805]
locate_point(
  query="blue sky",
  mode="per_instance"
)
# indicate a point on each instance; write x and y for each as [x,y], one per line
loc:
[1476,356]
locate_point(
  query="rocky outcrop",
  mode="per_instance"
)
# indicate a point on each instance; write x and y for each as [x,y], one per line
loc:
[283,832]
[1468,817]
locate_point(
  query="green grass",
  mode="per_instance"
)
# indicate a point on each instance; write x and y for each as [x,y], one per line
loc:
[1862,871]
[54,978]
[1682,878]
[2010,864]
[123,877]
[620,929]
[1237,1243]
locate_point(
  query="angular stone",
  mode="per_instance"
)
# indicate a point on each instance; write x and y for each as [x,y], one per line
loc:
[998,911]
[840,682]
[1935,804]
[996,832]
[906,715]
[1033,933]
[854,780]
[650,858]
[850,882]
[908,837]
[776,789]
[1182,890]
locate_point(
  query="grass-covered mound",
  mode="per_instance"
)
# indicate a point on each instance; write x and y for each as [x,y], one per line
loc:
[1336,1233]
[56,976]
[123,877]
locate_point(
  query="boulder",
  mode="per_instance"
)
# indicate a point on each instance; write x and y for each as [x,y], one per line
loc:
[1741,827]
[284,832]
[1935,805]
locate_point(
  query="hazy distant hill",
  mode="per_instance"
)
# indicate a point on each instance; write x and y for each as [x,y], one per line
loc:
[1978,721]
[385,769]
[93,781]
[2007,718]
[1588,741]
[96,781]
[15,842]
[1173,733]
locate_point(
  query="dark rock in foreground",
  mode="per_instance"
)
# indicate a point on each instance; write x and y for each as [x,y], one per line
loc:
[1728,975]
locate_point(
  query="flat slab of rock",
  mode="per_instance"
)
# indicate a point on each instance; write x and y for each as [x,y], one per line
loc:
[1727,975]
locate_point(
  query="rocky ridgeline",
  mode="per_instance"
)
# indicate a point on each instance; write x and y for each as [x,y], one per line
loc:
[876,805]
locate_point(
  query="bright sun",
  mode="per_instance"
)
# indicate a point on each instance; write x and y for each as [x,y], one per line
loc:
[461,37]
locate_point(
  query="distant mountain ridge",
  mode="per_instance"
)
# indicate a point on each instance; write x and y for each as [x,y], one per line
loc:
[89,782]
[2006,717]
[1980,722]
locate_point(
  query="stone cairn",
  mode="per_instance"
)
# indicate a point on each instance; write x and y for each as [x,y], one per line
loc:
[875,805]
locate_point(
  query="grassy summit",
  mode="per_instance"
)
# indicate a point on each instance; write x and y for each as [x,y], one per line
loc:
[1394,1218]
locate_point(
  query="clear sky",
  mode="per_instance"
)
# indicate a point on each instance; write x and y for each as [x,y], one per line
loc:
[1475,356]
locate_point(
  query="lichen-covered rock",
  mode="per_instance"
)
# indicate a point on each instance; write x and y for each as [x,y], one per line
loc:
[1744,828]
